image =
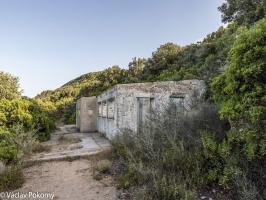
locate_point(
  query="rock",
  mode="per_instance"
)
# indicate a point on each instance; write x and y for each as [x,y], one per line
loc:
[2,167]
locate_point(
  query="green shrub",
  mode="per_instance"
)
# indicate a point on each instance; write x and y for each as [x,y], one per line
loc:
[27,113]
[131,178]
[167,157]
[8,151]
[241,92]
[166,188]
[103,166]
[11,179]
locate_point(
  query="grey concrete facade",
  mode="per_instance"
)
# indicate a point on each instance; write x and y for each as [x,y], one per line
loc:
[126,106]
[86,114]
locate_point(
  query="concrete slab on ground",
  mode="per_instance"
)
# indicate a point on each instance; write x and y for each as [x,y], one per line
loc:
[83,144]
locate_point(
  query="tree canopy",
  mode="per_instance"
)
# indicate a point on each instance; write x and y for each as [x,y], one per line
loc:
[243,12]
[241,89]
[9,86]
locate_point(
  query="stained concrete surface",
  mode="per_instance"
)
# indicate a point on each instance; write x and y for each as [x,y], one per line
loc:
[89,144]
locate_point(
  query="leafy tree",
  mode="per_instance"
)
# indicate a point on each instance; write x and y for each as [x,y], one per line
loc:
[166,57]
[245,12]
[135,69]
[13,112]
[9,86]
[241,89]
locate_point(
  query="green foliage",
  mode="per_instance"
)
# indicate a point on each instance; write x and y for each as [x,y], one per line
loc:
[131,178]
[27,113]
[61,102]
[103,166]
[244,12]
[221,163]
[13,112]
[11,179]
[135,70]
[42,121]
[166,57]
[203,60]
[241,89]
[9,86]
[167,189]
[8,151]
[18,118]
[167,157]
[16,144]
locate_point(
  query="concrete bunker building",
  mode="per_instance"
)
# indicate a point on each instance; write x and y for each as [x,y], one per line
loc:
[126,106]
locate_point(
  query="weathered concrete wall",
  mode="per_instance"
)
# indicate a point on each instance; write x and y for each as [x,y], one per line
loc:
[131,103]
[86,114]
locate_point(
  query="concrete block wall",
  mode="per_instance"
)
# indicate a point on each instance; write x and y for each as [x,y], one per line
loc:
[127,98]
[86,114]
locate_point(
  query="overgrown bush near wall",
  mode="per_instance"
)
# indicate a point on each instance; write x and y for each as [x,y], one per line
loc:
[166,158]
[241,91]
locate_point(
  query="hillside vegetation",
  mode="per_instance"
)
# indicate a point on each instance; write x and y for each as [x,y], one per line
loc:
[220,151]
[203,60]
[186,157]
[23,123]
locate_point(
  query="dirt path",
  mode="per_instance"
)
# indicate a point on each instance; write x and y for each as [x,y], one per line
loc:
[68,181]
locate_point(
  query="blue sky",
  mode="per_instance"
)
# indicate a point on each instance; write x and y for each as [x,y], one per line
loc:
[49,42]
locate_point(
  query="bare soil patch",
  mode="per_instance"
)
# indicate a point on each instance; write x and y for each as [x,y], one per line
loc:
[68,181]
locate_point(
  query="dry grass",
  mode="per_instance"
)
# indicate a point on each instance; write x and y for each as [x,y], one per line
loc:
[69,139]
[12,178]
[101,164]
[2,167]
[39,148]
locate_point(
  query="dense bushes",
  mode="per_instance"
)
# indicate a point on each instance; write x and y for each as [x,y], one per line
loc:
[178,154]
[167,158]
[19,116]
[241,91]
[27,113]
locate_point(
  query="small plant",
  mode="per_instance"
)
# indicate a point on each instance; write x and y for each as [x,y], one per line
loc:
[131,178]
[22,140]
[103,166]
[11,179]
[38,148]
[2,167]
[244,188]
[170,189]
